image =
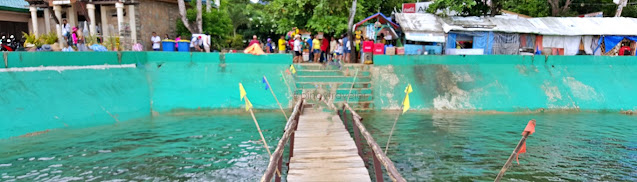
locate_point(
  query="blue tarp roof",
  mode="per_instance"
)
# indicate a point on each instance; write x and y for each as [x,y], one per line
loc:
[381,17]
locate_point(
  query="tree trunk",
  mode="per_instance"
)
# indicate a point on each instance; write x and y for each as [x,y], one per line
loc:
[208,6]
[182,12]
[350,23]
[199,20]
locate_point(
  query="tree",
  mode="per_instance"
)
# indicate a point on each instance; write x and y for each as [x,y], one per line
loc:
[208,6]
[329,16]
[533,8]
[559,7]
[184,19]
[217,24]
[463,7]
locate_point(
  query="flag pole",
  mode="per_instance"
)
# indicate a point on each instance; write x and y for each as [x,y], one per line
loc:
[261,133]
[353,83]
[515,153]
[394,126]
[286,83]
[277,100]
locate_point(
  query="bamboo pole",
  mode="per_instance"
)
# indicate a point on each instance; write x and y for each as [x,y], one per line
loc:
[394,126]
[515,153]
[273,95]
[353,83]
[265,143]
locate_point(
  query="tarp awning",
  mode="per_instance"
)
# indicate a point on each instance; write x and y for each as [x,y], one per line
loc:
[381,18]
[425,37]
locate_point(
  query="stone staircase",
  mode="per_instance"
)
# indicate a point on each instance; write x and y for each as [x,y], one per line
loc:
[335,84]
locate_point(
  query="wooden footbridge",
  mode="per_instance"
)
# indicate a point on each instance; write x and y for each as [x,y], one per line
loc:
[320,147]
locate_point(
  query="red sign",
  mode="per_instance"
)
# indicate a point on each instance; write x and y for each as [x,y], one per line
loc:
[409,8]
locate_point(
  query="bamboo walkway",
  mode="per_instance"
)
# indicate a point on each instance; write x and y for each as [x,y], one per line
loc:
[324,150]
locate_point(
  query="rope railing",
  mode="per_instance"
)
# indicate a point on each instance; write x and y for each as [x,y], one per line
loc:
[276,159]
[379,156]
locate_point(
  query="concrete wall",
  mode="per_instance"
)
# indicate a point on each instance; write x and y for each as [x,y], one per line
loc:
[507,82]
[162,82]
[156,16]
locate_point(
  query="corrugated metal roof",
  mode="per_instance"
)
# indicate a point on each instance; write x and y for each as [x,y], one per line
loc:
[20,4]
[413,22]
[585,26]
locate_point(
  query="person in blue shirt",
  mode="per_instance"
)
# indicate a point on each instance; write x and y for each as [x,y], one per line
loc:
[309,43]
[346,48]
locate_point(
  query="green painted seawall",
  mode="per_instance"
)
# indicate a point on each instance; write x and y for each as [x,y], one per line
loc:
[33,101]
[161,82]
[508,83]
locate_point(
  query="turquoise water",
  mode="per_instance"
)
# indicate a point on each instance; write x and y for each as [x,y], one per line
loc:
[469,147]
[425,147]
[190,148]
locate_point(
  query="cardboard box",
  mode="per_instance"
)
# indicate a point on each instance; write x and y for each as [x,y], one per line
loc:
[400,51]
[379,48]
[390,50]
[368,46]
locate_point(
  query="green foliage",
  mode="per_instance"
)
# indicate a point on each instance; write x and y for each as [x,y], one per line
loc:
[329,16]
[216,23]
[29,38]
[459,6]
[235,42]
[50,38]
[533,8]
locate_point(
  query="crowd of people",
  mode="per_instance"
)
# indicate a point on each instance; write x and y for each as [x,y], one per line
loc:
[317,48]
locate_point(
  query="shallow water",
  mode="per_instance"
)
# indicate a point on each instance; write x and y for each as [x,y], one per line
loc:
[194,148]
[470,147]
[425,147]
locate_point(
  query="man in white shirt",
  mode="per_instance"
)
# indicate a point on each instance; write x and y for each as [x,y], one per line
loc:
[155,41]
[297,49]
[66,28]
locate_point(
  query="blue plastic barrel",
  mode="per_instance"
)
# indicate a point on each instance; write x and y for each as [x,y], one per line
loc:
[183,46]
[168,46]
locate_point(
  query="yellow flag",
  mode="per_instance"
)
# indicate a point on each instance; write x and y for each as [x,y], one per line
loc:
[248,105]
[408,89]
[242,91]
[292,69]
[406,104]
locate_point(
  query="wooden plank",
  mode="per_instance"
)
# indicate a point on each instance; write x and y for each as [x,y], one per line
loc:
[324,150]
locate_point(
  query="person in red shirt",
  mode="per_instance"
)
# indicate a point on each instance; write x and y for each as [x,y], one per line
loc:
[253,41]
[291,45]
[625,50]
[324,45]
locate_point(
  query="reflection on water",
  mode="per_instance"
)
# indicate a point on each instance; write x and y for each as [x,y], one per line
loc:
[470,147]
[195,148]
[425,147]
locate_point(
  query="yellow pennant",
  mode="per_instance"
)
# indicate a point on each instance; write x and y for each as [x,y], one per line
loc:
[292,69]
[242,91]
[406,104]
[248,105]
[408,89]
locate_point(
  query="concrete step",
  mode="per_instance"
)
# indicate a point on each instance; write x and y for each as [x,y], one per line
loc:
[330,73]
[327,85]
[340,91]
[317,66]
[332,79]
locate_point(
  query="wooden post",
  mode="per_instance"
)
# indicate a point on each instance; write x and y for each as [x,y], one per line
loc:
[277,178]
[514,154]
[273,95]
[377,170]
[357,138]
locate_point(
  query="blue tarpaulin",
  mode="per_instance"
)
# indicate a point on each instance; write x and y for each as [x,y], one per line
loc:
[612,41]
[481,40]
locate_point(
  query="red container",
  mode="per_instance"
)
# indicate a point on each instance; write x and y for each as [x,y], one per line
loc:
[400,51]
[368,46]
[379,48]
